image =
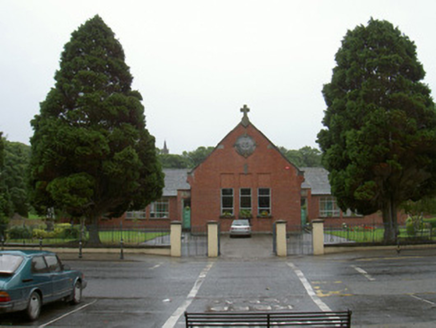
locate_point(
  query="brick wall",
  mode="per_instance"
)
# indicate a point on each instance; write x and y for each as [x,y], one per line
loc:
[264,168]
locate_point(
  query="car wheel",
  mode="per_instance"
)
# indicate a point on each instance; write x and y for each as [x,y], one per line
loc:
[34,306]
[77,293]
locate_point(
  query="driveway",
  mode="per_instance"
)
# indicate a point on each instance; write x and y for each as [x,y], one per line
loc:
[258,246]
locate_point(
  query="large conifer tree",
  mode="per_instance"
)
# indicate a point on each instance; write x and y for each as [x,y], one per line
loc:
[91,152]
[379,141]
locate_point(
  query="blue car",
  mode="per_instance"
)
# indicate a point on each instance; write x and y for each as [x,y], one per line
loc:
[30,279]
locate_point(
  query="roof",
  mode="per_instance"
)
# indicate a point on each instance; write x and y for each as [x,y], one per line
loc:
[26,252]
[316,178]
[175,179]
[245,122]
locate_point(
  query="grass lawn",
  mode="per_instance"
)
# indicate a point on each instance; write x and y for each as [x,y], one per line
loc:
[129,237]
[106,237]
[366,236]
[359,236]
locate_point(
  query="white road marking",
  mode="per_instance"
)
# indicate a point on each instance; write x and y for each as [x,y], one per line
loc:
[363,272]
[172,321]
[423,299]
[67,314]
[156,266]
[321,305]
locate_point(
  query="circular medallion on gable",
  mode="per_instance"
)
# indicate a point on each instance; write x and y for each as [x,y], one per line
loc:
[245,145]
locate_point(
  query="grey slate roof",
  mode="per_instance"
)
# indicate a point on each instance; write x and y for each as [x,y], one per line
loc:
[316,178]
[175,179]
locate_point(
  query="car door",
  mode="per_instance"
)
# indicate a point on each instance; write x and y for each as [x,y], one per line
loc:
[42,278]
[62,282]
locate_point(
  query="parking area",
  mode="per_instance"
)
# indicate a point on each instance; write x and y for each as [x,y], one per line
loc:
[383,289]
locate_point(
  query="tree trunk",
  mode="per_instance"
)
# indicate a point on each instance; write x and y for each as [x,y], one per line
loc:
[94,237]
[390,222]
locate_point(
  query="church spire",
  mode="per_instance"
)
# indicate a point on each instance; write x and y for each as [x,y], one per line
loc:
[245,121]
[165,149]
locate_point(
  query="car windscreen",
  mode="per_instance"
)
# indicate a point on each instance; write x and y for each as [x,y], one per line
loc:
[9,263]
[240,223]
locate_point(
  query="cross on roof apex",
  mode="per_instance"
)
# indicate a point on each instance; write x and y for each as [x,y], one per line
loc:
[245,121]
[245,110]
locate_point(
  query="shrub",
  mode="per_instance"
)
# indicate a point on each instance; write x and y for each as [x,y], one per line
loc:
[71,232]
[432,222]
[20,232]
[41,233]
[410,228]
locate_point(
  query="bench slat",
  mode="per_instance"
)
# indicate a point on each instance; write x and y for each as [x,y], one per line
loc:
[268,319]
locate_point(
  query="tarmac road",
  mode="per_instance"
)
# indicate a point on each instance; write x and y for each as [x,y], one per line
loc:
[383,288]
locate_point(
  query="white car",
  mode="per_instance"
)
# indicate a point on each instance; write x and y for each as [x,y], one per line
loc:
[240,228]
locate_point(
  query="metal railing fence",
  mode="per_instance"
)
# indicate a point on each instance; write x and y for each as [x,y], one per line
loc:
[71,235]
[346,233]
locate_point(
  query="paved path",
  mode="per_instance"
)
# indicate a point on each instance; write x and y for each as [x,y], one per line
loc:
[255,247]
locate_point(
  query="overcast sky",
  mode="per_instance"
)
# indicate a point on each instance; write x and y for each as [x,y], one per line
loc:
[197,62]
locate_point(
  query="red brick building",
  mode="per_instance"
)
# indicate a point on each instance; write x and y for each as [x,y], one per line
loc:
[245,176]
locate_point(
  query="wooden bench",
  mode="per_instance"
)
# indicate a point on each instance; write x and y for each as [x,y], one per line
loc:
[268,319]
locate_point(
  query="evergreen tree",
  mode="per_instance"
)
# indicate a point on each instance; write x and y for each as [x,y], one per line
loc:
[5,208]
[379,141]
[16,162]
[91,153]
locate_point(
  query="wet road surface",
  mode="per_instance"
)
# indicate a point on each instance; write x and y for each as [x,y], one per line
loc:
[383,289]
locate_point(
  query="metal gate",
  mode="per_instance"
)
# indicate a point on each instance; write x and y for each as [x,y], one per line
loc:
[299,241]
[194,241]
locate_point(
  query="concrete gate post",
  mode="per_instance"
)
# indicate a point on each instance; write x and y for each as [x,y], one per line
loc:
[212,239]
[318,237]
[281,245]
[176,238]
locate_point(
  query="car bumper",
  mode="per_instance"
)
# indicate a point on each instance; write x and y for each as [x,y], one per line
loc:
[240,233]
[12,306]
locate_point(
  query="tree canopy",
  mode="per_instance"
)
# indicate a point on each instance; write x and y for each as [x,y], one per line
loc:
[379,140]
[188,159]
[5,203]
[16,161]
[91,152]
[303,157]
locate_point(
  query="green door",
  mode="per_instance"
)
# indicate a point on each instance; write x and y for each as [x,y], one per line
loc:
[186,217]
[303,217]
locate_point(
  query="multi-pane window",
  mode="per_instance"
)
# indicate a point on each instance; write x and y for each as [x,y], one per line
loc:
[159,209]
[264,201]
[245,199]
[226,201]
[328,207]
[135,215]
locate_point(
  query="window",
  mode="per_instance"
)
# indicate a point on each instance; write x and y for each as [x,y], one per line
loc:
[53,263]
[264,201]
[39,265]
[328,207]
[245,199]
[159,209]
[135,215]
[9,263]
[227,201]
